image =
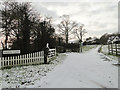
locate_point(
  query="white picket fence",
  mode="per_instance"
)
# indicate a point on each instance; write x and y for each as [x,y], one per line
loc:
[26,59]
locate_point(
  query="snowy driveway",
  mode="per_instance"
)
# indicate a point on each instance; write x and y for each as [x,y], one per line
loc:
[87,70]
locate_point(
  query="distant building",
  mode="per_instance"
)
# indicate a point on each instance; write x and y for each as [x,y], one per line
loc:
[114,39]
[91,41]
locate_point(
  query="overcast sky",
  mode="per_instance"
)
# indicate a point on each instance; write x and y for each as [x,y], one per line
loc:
[98,16]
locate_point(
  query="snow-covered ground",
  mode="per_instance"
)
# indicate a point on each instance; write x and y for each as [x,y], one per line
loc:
[104,50]
[88,70]
[27,75]
[0,79]
[77,70]
[88,47]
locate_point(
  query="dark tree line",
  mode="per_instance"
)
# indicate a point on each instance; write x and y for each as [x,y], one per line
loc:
[27,31]
[30,32]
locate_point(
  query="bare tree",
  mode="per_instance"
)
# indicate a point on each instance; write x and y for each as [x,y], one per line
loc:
[9,22]
[66,26]
[6,21]
[80,32]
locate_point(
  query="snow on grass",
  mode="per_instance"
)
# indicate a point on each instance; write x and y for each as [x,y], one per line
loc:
[27,75]
[88,47]
[104,50]
[0,79]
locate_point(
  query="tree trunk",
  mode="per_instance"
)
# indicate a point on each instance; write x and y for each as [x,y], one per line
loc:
[66,36]
[6,39]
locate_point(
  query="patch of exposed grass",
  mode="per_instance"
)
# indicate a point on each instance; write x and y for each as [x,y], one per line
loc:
[100,49]
[88,47]
[107,53]
[115,57]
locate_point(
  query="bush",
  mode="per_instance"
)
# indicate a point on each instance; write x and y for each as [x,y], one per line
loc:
[72,47]
[60,49]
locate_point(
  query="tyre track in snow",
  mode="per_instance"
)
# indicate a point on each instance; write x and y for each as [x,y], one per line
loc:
[82,70]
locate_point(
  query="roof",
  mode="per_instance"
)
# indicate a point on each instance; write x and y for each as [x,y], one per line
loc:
[113,39]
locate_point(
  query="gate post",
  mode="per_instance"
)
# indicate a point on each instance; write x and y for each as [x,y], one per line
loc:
[45,56]
[116,48]
[46,50]
[108,48]
[112,48]
[0,62]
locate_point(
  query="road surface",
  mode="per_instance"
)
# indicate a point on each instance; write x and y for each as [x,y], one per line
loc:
[87,70]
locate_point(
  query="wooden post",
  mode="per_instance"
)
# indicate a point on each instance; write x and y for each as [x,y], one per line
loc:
[46,50]
[20,59]
[3,61]
[35,58]
[116,48]
[17,60]
[55,52]
[112,48]
[45,55]
[29,56]
[0,62]
[38,57]
[32,56]
[13,60]
[81,47]
[42,55]
[108,49]
[8,60]
[27,59]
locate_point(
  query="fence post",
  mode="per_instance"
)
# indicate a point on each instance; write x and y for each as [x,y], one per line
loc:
[108,49]
[27,59]
[35,57]
[42,54]
[116,48]
[55,51]
[45,54]
[30,58]
[3,58]
[5,62]
[112,48]
[39,57]
[20,59]
[12,60]
[0,62]
[8,60]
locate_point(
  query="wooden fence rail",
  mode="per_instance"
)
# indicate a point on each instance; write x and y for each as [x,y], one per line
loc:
[51,54]
[26,59]
[114,49]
